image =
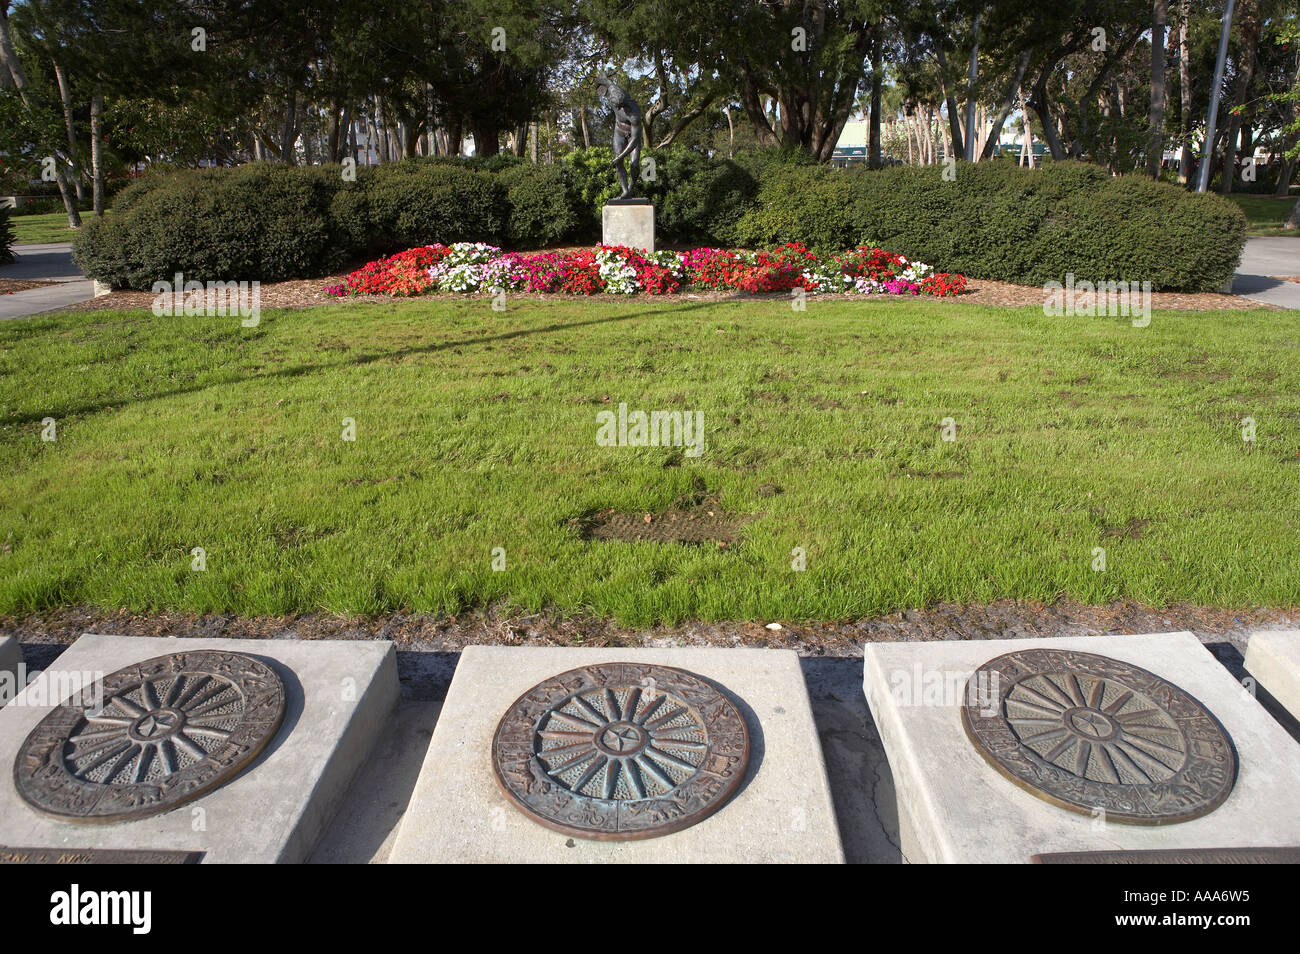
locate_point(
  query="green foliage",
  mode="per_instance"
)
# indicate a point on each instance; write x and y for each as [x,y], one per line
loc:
[416,204]
[698,199]
[6,238]
[258,222]
[270,223]
[999,221]
[994,221]
[540,208]
[802,203]
[592,183]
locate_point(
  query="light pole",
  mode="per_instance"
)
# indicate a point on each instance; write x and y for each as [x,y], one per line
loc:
[1207,154]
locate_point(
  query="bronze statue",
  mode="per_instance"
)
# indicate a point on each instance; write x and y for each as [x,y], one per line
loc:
[627,131]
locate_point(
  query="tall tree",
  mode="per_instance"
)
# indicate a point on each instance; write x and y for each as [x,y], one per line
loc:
[1159,89]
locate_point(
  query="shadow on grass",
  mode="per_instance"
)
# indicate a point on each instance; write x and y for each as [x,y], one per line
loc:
[299,370]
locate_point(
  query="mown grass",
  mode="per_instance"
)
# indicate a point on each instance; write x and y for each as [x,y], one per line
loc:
[1265,214]
[39,229]
[477,429]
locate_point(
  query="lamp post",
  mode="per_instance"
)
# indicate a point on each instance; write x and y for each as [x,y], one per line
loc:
[1207,154]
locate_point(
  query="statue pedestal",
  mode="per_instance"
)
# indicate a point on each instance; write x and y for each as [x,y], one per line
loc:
[629,222]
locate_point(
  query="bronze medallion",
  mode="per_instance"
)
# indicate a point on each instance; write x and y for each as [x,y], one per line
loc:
[1097,735]
[169,730]
[621,751]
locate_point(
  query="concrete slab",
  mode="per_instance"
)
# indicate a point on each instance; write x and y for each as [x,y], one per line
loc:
[955,808]
[47,261]
[37,301]
[10,658]
[1273,658]
[781,813]
[1262,261]
[339,696]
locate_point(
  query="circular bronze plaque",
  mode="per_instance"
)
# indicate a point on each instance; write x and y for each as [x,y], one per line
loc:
[150,737]
[1094,735]
[621,751]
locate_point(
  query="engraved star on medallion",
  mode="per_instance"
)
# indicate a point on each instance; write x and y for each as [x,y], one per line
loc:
[153,730]
[1096,729]
[621,743]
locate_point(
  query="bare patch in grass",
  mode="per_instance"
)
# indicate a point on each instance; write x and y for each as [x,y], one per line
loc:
[703,521]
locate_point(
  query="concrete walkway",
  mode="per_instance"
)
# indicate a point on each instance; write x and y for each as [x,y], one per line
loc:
[1265,257]
[47,263]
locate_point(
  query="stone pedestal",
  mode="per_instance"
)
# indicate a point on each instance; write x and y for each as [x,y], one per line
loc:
[782,811]
[339,695]
[1273,658]
[954,807]
[630,223]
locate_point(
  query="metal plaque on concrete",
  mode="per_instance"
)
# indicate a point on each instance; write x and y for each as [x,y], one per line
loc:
[621,751]
[96,856]
[1099,736]
[157,734]
[1173,856]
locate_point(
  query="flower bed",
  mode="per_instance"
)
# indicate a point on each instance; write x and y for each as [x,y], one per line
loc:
[469,267]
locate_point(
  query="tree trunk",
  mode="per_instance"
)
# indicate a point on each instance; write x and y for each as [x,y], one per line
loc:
[972,74]
[1185,98]
[65,96]
[1045,119]
[874,158]
[486,135]
[1288,165]
[950,101]
[1159,89]
[455,135]
[9,61]
[1008,103]
[1293,219]
[1029,129]
[289,133]
[586,133]
[97,151]
[335,113]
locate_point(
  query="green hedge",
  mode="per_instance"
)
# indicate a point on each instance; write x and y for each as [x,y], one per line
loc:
[995,220]
[998,221]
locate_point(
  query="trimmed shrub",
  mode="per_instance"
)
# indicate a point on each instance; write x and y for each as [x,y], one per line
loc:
[995,220]
[414,203]
[698,199]
[540,210]
[257,222]
[808,204]
[1002,222]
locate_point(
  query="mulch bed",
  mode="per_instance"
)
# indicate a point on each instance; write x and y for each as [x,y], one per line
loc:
[307,293]
[10,285]
[1004,619]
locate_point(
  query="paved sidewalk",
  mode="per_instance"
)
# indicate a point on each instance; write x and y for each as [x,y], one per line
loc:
[1265,257]
[50,263]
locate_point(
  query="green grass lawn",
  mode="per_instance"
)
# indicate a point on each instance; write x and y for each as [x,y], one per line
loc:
[477,429]
[1265,214]
[36,229]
